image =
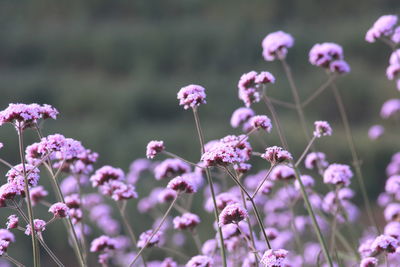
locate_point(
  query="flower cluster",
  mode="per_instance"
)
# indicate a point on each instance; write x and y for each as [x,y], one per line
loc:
[329,56]
[249,86]
[275,45]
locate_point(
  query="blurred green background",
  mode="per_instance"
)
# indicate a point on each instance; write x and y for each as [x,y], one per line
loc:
[113,68]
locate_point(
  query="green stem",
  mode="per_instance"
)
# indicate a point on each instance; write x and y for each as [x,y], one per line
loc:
[211,186]
[354,155]
[263,181]
[35,249]
[155,231]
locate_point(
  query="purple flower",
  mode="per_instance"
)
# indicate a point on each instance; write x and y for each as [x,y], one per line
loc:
[339,66]
[322,128]
[314,159]
[393,229]
[274,258]
[39,225]
[102,243]
[392,71]
[12,221]
[338,174]
[396,35]
[375,132]
[118,190]
[395,58]
[276,155]
[106,174]
[153,148]
[136,168]
[37,194]
[9,191]
[392,211]
[248,91]
[384,243]
[191,96]
[369,262]
[276,44]
[3,246]
[241,116]
[382,27]
[16,176]
[166,195]
[390,108]
[264,77]
[222,200]
[392,185]
[145,237]
[232,213]
[182,184]
[59,210]
[186,221]
[170,168]
[282,172]
[261,122]
[322,55]
[307,180]
[6,235]
[220,154]
[209,247]
[200,261]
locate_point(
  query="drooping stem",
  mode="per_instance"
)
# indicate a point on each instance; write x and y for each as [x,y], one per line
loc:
[155,231]
[258,217]
[211,186]
[35,249]
[263,181]
[354,155]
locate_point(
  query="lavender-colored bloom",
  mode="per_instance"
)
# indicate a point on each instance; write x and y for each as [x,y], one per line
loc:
[59,210]
[168,262]
[393,229]
[369,262]
[382,27]
[307,180]
[390,108]
[39,225]
[12,221]
[274,258]
[375,132]
[200,261]
[136,168]
[220,154]
[102,243]
[261,122]
[339,66]
[191,96]
[170,168]
[9,191]
[322,55]
[264,77]
[365,248]
[145,237]
[392,185]
[209,247]
[73,201]
[106,174]
[384,243]
[392,71]
[272,233]
[109,226]
[322,128]
[153,148]
[232,213]
[16,176]
[241,116]
[314,159]
[248,91]
[118,190]
[181,184]
[25,115]
[338,174]
[395,58]
[384,199]
[166,195]
[37,194]
[6,235]
[3,246]
[392,211]
[396,35]
[282,172]
[186,221]
[276,155]
[275,45]
[222,200]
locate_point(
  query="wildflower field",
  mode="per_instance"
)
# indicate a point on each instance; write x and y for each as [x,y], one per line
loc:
[285,166]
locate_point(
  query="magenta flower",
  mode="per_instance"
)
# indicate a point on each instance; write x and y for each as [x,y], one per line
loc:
[200,261]
[106,174]
[384,243]
[7,235]
[170,168]
[16,176]
[103,243]
[369,262]
[9,191]
[261,122]
[145,237]
[182,184]
[392,212]
[339,66]
[118,190]
[338,174]
[274,258]
[314,159]
[191,96]
[248,91]
[282,172]
[232,213]
[275,45]
[276,155]
[241,116]
[59,210]
[384,26]
[322,128]
[375,132]
[390,108]
[39,225]
[186,221]
[264,77]
[393,229]
[220,154]
[153,148]
[322,55]
[3,246]
[12,221]
[37,194]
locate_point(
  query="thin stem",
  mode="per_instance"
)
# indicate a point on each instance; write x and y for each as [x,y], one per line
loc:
[211,186]
[35,249]
[263,181]
[178,157]
[155,231]
[305,151]
[8,257]
[259,220]
[282,103]
[7,163]
[196,240]
[334,224]
[354,155]
[249,243]
[318,91]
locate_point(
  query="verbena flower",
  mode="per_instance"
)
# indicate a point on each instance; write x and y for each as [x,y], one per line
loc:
[275,45]
[200,261]
[261,122]
[186,221]
[274,258]
[59,210]
[12,221]
[393,229]
[232,213]
[16,177]
[315,159]
[307,180]
[118,190]
[392,211]
[191,96]
[384,26]
[180,184]
[375,132]
[248,91]
[322,128]
[384,243]
[282,172]
[106,174]
[329,56]
[241,116]
[369,262]
[276,155]
[102,243]
[6,235]
[170,168]
[39,225]
[37,194]
[390,108]
[338,174]
[145,237]
[153,148]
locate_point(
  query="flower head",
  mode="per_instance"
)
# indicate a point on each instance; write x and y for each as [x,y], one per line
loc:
[248,91]
[274,258]
[200,261]
[170,168]
[186,221]
[39,225]
[59,210]
[153,148]
[384,26]
[106,174]
[275,45]
[37,194]
[145,237]
[182,184]
[375,132]
[314,159]
[322,128]
[12,221]
[338,174]
[232,213]
[103,243]
[261,122]
[390,108]
[191,96]
[384,243]
[118,190]
[369,262]
[276,154]
[241,116]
